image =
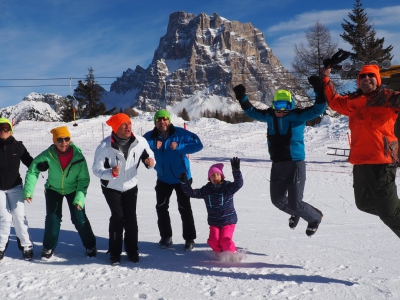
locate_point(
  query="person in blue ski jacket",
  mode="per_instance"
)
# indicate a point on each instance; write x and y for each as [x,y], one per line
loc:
[218,197]
[171,145]
[285,135]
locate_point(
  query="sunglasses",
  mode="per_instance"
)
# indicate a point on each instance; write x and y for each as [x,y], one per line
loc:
[162,119]
[5,128]
[60,140]
[370,75]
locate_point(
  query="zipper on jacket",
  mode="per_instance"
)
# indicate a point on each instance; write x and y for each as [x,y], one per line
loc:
[74,163]
[62,172]
[280,124]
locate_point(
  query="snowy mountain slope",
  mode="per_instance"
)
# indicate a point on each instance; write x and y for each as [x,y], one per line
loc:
[352,256]
[30,110]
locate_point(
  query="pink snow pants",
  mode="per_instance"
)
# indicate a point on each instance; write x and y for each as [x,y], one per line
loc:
[220,238]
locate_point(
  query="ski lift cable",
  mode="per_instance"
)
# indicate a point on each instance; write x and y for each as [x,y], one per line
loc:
[55,78]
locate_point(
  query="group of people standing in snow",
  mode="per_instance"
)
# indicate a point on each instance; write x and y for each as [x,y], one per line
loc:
[372,112]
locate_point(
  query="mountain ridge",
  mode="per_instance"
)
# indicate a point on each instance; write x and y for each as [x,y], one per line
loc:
[195,66]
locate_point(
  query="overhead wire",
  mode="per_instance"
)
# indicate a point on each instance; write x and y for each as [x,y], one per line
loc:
[43,85]
[260,77]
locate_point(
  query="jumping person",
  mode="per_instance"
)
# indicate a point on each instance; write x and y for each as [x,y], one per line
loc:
[372,112]
[285,136]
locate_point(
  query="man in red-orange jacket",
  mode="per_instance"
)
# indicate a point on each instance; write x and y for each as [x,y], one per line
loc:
[372,112]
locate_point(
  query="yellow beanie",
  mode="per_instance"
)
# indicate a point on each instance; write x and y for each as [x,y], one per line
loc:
[60,132]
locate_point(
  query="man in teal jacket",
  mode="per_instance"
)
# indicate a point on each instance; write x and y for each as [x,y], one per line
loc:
[285,136]
[170,145]
[68,176]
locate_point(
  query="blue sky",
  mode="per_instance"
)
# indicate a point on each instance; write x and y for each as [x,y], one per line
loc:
[47,39]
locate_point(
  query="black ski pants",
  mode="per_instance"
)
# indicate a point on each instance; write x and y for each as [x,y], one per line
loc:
[375,193]
[123,216]
[163,195]
[287,183]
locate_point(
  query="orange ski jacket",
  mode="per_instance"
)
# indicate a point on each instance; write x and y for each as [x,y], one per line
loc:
[372,118]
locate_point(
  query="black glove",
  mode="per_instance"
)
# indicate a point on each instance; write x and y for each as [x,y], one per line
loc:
[235,163]
[42,166]
[318,86]
[183,178]
[240,91]
[336,58]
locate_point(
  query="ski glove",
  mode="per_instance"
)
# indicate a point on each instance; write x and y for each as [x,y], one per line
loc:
[43,166]
[235,163]
[336,59]
[318,86]
[240,92]
[183,178]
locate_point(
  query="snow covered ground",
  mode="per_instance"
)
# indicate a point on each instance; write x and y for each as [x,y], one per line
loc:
[352,256]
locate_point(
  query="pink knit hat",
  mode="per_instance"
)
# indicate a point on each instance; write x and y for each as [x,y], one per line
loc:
[217,168]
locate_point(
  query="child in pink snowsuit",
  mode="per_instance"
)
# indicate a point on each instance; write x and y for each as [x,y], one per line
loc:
[218,197]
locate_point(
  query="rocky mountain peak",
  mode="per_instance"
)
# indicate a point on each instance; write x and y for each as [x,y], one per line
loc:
[206,53]
[195,66]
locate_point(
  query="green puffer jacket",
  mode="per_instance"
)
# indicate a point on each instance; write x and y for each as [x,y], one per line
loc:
[75,177]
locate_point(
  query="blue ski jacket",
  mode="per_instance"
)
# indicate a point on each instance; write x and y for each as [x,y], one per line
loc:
[172,163]
[285,135]
[218,199]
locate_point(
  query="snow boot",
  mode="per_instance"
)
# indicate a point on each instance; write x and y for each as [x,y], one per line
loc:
[133,257]
[189,244]
[115,260]
[165,242]
[47,254]
[313,227]
[293,221]
[27,253]
[92,252]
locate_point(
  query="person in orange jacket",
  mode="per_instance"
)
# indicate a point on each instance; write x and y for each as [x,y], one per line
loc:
[372,112]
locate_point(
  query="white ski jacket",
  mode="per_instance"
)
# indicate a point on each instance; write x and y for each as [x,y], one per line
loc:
[108,155]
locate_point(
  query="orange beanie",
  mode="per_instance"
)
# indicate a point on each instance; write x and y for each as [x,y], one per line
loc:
[60,132]
[370,69]
[116,120]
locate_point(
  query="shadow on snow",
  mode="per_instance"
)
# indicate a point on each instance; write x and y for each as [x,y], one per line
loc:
[70,251]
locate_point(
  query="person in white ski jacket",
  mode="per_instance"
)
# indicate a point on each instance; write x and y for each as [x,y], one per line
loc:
[116,162]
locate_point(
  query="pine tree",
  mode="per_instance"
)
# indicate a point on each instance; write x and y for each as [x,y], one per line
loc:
[89,94]
[361,36]
[66,112]
[184,115]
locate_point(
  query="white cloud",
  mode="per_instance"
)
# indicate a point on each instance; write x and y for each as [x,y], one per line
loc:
[287,34]
[386,16]
[303,21]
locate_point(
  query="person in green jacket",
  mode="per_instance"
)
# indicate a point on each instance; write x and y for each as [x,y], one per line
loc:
[68,177]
